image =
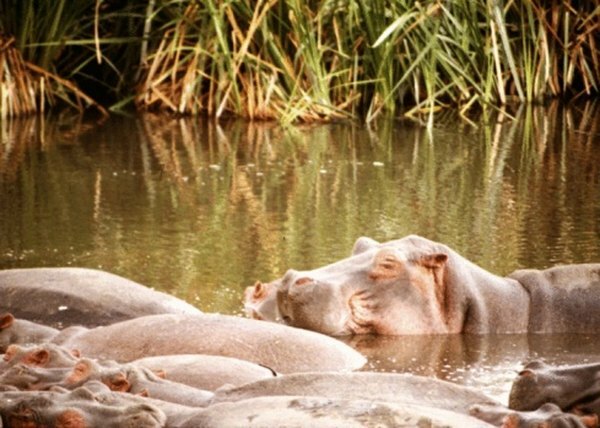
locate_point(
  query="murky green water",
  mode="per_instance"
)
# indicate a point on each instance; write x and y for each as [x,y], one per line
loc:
[202,210]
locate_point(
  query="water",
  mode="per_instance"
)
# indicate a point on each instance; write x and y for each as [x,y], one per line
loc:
[202,210]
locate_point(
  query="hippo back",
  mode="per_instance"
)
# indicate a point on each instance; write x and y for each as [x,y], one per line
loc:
[564,299]
[77,296]
[281,348]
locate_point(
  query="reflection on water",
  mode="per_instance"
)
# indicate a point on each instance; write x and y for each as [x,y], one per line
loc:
[203,210]
[489,362]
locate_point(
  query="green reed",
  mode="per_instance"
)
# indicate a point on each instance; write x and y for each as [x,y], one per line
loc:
[294,60]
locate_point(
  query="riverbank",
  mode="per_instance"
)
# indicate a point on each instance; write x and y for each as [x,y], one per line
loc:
[294,61]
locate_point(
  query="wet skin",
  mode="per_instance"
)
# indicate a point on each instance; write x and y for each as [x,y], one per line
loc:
[573,388]
[417,286]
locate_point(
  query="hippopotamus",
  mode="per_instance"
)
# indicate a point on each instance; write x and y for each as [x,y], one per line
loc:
[207,372]
[281,348]
[386,387]
[546,416]
[78,296]
[574,388]
[417,286]
[326,412]
[75,409]
[18,331]
[46,355]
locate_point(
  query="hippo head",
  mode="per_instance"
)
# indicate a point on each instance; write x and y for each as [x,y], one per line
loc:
[260,301]
[381,288]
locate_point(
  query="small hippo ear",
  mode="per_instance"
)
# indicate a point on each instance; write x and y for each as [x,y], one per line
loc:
[6,320]
[80,372]
[37,358]
[527,374]
[433,261]
[363,244]
[118,383]
[259,290]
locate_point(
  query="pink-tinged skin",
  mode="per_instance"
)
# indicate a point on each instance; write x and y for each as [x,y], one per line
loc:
[417,286]
[546,416]
[75,409]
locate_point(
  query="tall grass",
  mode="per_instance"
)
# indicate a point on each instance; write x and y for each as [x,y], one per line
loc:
[294,60]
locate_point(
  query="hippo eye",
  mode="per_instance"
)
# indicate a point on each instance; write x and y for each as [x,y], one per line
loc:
[304,281]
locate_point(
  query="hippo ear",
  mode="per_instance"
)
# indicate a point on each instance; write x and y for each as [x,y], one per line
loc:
[526,373]
[118,383]
[363,244]
[6,320]
[433,261]
[37,358]
[10,352]
[80,372]
[386,266]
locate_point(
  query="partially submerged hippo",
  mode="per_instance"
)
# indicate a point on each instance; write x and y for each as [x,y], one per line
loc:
[207,372]
[19,331]
[281,348]
[547,416]
[77,296]
[573,388]
[386,387]
[326,412]
[417,286]
[76,409]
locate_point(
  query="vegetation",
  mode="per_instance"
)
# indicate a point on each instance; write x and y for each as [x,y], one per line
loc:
[294,60]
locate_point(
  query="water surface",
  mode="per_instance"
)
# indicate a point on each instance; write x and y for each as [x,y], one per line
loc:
[201,210]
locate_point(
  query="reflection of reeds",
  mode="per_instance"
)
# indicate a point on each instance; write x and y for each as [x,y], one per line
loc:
[18,135]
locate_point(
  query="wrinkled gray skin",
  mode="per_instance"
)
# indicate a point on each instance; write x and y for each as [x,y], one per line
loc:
[76,296]
[281,348]
[75,409]
[326,412]
[207,372]
[387,387]
[574,387]
[416,286]
[547,416]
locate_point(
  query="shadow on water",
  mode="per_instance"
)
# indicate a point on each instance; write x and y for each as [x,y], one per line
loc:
[202,210]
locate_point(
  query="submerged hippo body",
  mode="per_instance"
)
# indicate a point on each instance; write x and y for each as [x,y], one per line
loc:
[572,388]
[326,412]
[417,286]
[205,371]
[77,296]
[387,387]
[281,348]
[75,409]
